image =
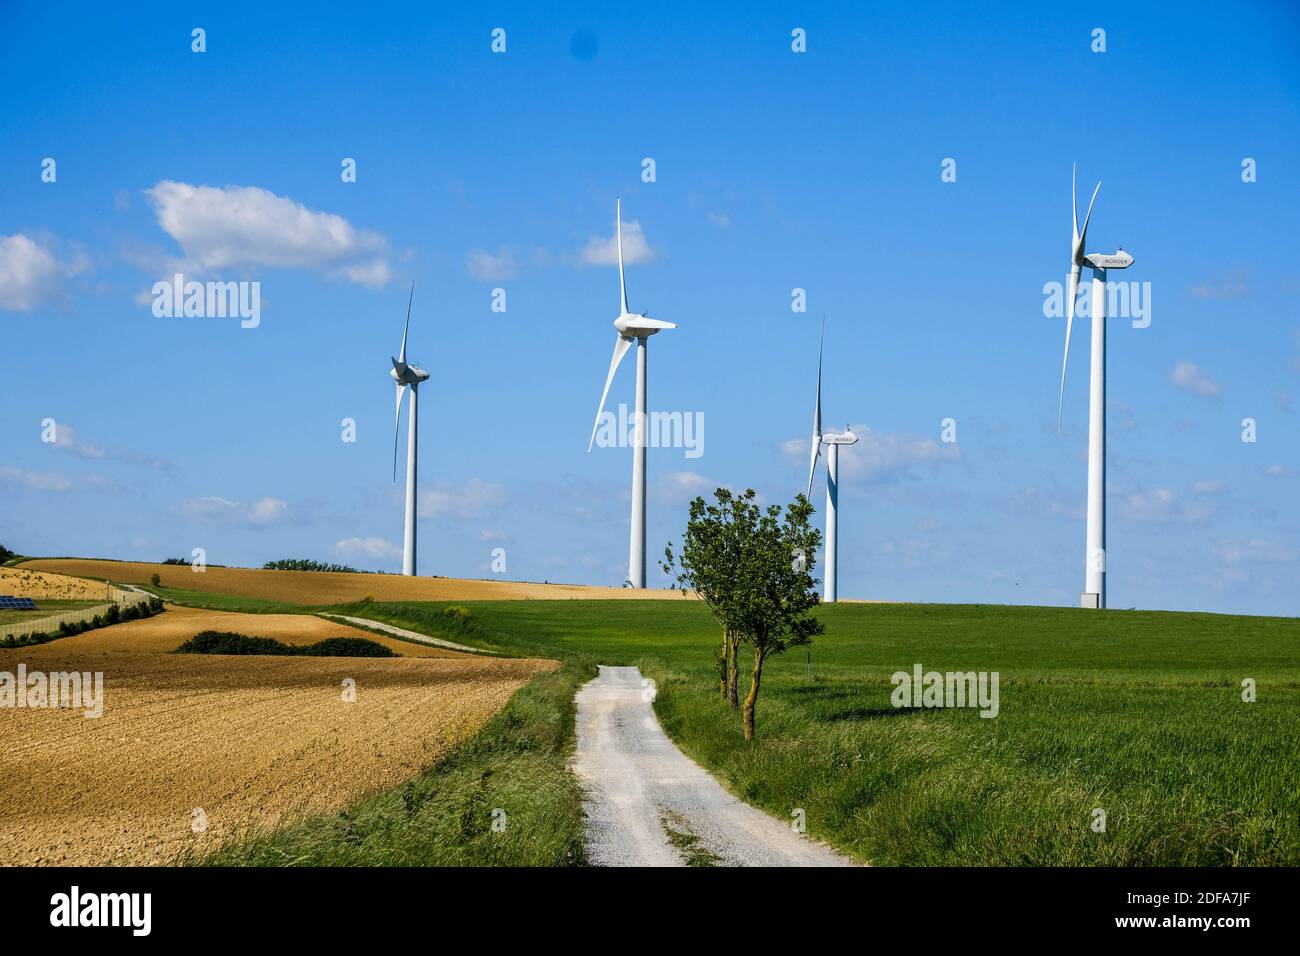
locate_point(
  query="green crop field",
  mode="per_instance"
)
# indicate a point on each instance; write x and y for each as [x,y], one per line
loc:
[1137,714]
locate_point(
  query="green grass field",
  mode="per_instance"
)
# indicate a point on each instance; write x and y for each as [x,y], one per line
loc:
[1139,714]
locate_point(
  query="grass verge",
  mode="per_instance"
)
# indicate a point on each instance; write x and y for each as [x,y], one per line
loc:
[505,797]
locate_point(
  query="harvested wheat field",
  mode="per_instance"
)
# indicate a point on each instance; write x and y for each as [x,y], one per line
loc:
[25,582]
[324,587]
[248,741]
[169,630]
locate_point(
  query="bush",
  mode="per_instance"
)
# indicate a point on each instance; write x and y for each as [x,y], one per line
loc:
[156,580]
[228,642]
[175,561]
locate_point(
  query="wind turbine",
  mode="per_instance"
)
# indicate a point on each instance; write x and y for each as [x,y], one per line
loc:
[833,440]
[1094,587]
[407,377]
[631,327]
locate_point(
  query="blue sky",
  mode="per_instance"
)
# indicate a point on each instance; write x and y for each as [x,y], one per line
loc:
[774,170]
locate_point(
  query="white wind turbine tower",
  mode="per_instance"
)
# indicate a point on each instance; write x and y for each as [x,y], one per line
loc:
[834,440]
[1094,588]
[407,377]
[631,327]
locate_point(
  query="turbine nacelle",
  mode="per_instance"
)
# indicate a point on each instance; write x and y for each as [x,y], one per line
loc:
[845,437]
[1118,260]
[638,325]
[404,374]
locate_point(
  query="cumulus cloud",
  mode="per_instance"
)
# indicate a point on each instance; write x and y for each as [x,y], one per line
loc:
[482,266]
[879,457]
[375,548]
[257,514]
[31,275]
[603,251]
[1210,487]
[1192,378]
[242,227]
[460,501]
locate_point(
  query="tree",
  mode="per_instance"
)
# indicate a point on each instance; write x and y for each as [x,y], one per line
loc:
[709,565]
[778,591]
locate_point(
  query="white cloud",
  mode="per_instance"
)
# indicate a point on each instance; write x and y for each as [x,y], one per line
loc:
[681,485]
[34,480]
[66,437]
[31,275]
[1256,551]
[1230,287]
[260,513]
[1191,377]
[1279,471]
[1161,506]
[878,457]
[377,548]
[1210,487]
[240,227]
[719,219]
[600,251]
[482,266]
[465,501]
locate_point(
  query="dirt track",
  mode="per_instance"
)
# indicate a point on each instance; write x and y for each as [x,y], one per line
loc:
[248,740]
[318,587]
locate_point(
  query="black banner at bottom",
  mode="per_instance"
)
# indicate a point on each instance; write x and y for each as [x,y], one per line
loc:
[211,905]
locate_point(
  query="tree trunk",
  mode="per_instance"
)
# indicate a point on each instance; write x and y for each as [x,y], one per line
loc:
[751,699]
[733,672]
[724,664]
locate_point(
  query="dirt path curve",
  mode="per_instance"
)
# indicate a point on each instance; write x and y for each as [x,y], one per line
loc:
[410,635]
[639,787]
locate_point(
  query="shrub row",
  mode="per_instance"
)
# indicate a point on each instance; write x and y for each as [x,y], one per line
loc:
[114,614]
[228,642]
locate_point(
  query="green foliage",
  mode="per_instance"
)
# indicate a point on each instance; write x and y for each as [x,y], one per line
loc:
[753,569]
[228,642]
[5,554]
[155,580]
[113,614]
[175,561]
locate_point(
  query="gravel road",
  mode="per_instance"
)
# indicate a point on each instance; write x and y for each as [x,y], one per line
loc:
[403,632]
[648,804]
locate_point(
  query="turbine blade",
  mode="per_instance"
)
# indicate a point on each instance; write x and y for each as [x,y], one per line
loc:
[1071,292]
[621,346]
[397,426]
[1083,233]
[817,413]
[1074,205]
[402,359]
[618,231]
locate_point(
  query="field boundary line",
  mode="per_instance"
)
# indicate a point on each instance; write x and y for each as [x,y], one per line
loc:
[402,632]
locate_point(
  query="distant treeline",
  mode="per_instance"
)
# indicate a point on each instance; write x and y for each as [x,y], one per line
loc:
[307,564]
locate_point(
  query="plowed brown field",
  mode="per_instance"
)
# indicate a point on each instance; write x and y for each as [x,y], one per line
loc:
[319,587]
[249,741]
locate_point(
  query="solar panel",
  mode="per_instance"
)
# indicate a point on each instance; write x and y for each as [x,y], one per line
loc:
[10,603]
